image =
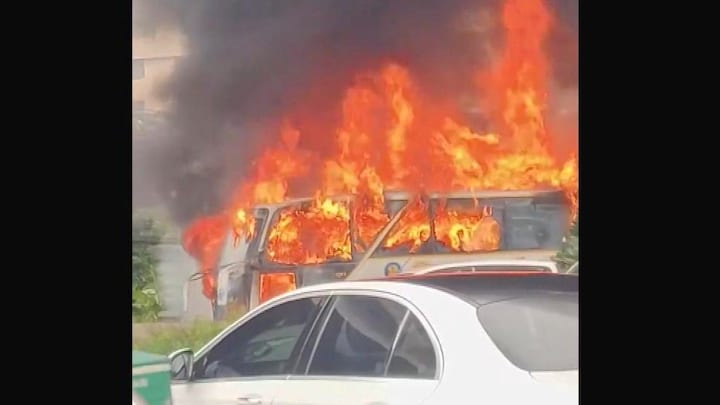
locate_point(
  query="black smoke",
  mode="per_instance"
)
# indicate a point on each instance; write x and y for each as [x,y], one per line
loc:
[249,62]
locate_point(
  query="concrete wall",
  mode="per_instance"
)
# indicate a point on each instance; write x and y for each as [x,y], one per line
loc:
[146,90]
[174,268]
[158,52]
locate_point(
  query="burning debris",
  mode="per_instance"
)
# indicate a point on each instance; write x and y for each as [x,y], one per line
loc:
[395,131]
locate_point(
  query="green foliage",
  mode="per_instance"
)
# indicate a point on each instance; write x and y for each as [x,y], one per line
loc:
[146,229]
[171,338]
[146,233]
[569,251]
[145,304]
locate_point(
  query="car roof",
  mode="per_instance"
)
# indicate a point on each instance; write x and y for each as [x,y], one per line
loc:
[483,263]
[484,287]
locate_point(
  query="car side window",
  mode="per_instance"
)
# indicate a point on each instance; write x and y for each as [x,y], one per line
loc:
[358,337]
[265,345]
[414,355]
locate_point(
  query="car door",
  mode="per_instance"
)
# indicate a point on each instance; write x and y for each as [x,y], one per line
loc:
[249,364]
[371,350]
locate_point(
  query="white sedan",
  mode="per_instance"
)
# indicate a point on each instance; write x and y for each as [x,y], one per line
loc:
[462,338]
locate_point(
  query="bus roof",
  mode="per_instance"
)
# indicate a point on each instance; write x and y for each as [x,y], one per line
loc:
[399,194]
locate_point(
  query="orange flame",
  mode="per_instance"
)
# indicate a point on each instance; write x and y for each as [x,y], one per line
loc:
[464,232]
[269,184]
[411,230]
[390,136]
[203,239]
[315,235]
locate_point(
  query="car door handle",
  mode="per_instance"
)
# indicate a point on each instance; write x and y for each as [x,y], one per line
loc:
[250,400]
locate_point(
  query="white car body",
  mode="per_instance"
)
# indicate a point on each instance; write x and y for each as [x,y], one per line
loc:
[478,265]
[469,367]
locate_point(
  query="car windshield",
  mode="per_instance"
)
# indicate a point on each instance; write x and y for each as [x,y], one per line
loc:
[463,225]
[536,333]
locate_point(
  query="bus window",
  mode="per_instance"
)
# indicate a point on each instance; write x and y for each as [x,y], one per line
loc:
[472,225]
[274,284]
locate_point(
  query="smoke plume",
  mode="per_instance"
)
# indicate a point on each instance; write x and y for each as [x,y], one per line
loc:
[250,62]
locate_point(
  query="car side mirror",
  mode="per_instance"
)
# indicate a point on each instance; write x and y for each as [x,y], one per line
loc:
[181,364]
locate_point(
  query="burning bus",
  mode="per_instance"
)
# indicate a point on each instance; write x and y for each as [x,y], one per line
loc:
[303,241]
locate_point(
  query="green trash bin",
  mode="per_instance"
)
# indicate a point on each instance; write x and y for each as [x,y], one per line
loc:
[150,379]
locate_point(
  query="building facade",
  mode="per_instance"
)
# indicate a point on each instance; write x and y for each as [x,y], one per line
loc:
[156,51]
